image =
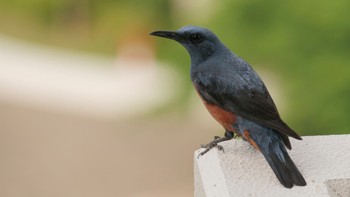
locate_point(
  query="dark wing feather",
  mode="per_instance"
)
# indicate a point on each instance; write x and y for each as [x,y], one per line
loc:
[242,99]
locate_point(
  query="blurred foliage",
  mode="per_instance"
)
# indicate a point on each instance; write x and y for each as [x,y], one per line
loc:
[308,43]
[90,25]
[305,42]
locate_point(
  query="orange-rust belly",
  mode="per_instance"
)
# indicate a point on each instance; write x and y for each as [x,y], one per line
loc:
[225,118]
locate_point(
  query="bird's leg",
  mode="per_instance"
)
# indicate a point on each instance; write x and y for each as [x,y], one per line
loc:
[228,136]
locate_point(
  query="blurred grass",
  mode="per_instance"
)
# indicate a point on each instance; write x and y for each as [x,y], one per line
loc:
[306,43]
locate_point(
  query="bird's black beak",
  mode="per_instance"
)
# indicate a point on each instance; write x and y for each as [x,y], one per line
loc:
[166,34]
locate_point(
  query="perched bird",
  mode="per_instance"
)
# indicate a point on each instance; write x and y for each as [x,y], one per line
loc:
[237,98]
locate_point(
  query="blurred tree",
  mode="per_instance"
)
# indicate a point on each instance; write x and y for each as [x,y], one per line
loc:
[92,25]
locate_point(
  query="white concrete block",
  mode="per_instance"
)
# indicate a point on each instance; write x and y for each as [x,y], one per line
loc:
[240,170]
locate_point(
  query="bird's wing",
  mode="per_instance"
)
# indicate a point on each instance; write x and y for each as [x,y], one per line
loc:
[244,100]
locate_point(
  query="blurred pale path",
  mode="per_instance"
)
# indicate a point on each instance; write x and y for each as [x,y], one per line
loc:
[77,83]
[64,131]
[71,126]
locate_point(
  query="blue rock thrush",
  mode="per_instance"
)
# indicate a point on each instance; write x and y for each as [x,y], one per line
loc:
[237,98]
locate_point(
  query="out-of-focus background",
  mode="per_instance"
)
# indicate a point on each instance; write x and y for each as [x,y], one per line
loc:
[91,105]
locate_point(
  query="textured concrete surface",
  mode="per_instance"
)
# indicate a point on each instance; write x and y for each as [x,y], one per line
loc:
[242,171]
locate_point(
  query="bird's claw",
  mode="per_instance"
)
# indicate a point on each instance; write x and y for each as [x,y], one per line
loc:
[220,148]
[214,143]
[209,146]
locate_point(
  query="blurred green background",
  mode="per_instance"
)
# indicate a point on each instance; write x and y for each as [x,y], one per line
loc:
[306,43]
[91,105]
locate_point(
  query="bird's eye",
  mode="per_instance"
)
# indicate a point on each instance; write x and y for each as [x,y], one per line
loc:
[196,38]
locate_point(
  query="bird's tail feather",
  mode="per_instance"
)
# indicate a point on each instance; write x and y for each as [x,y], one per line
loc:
[270,143]
[282,165]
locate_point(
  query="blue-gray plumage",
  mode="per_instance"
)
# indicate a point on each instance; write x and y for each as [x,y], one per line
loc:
[237,98]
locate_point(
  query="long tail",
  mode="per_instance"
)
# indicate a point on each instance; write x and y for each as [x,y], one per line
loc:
[282,165]
[271,146]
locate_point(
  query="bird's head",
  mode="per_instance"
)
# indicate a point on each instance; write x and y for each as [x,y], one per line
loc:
[200,43]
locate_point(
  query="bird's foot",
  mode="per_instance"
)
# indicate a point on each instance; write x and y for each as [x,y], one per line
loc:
[213,144]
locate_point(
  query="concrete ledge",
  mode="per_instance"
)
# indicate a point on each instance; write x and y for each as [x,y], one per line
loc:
[324,161]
